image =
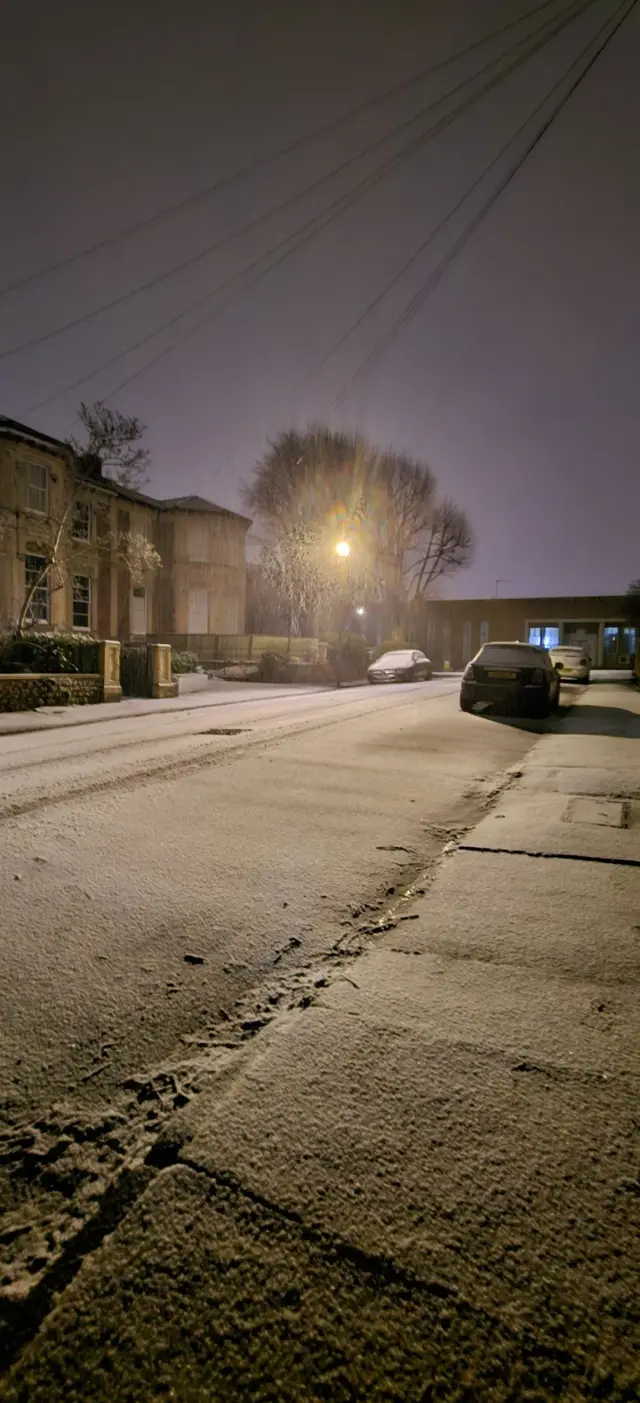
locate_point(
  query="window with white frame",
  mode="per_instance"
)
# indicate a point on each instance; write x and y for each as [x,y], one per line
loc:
[35,572]
[37,488]
[81,601]
[81,523]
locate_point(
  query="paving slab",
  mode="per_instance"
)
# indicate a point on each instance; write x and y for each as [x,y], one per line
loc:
[506,1179]
[553,825]
[572,919]
[206,1296]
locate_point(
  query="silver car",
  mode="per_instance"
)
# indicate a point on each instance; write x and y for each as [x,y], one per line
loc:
[403,665]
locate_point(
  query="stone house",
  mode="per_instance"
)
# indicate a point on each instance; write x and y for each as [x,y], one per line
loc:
[104,580]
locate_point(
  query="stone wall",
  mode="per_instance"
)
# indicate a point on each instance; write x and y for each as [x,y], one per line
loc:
[29,690]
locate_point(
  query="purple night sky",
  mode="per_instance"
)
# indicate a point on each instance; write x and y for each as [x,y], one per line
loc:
[518,380]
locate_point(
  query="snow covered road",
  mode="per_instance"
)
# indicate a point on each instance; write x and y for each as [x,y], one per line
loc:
[134,848]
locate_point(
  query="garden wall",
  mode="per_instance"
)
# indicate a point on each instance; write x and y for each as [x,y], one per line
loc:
[27,691]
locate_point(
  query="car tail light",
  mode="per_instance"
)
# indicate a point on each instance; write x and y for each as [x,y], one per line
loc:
[468,672]
[537,677]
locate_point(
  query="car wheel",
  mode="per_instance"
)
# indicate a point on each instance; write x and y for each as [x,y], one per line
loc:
[465,703]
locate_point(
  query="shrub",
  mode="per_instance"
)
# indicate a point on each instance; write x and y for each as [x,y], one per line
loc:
[49,652]
[274,668]
[184,662]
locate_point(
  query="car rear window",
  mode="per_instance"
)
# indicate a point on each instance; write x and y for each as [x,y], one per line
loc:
[396,659]
[511,655]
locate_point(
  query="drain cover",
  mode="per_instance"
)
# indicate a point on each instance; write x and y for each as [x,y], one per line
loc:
[606,813]
[226,731]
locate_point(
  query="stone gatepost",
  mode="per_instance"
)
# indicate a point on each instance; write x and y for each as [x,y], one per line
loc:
[162,683]
[110,670]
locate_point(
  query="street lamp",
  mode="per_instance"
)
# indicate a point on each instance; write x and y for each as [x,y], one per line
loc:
[343,549]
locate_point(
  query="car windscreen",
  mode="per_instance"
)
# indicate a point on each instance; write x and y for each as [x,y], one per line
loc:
[395,660]
[511,655]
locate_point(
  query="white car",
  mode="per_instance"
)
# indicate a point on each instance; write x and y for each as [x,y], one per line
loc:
[405,665]
[573,664]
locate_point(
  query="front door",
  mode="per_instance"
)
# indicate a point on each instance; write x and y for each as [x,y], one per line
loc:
[198,611]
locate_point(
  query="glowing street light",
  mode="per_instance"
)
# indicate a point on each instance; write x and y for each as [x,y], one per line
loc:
[343,549]
[360,610]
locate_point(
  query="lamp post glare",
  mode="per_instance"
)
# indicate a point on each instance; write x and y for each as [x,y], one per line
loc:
[343,549]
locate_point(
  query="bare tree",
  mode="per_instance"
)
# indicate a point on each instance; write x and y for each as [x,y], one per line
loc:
[51,546]
[295,569]
[444,545]
[114,439]
[317,478]
[137,553]
[387,502]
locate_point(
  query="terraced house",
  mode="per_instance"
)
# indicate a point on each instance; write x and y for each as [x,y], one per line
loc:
[79,551]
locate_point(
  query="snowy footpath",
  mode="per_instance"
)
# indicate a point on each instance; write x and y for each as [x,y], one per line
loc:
[423,1183]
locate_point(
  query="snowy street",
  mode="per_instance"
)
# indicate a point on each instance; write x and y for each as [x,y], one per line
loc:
[130,845]
[298,973]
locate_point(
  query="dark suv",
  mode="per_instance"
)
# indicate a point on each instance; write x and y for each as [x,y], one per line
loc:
[514,677]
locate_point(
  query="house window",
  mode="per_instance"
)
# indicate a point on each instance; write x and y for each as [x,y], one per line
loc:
[81,601]
[198,611]
[37,488]
[484,632]
[198,541]
[39,608]
[81,525]
[138,611]
[544,635]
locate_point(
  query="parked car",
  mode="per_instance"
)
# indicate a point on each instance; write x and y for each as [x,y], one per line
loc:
[405,665]
[573,664]
[513,676]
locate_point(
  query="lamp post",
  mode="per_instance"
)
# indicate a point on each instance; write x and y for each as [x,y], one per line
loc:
[343,551]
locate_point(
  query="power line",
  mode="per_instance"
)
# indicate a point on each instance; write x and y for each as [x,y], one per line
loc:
[244,171]
[449,215]
[285,247]
[253,224]
[425,291]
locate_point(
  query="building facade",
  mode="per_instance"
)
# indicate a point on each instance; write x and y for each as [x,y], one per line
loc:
[108,560]
[452,630]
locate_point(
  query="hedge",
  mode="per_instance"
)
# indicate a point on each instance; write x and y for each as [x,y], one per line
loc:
[49,652]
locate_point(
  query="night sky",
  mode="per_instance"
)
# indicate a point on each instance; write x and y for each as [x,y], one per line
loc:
[518,379]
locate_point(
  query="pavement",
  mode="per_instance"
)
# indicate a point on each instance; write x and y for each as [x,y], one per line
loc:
[419,1180]
[217,692]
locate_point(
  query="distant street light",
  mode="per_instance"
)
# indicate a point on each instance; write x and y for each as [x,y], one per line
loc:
[360,610]
[343,549]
